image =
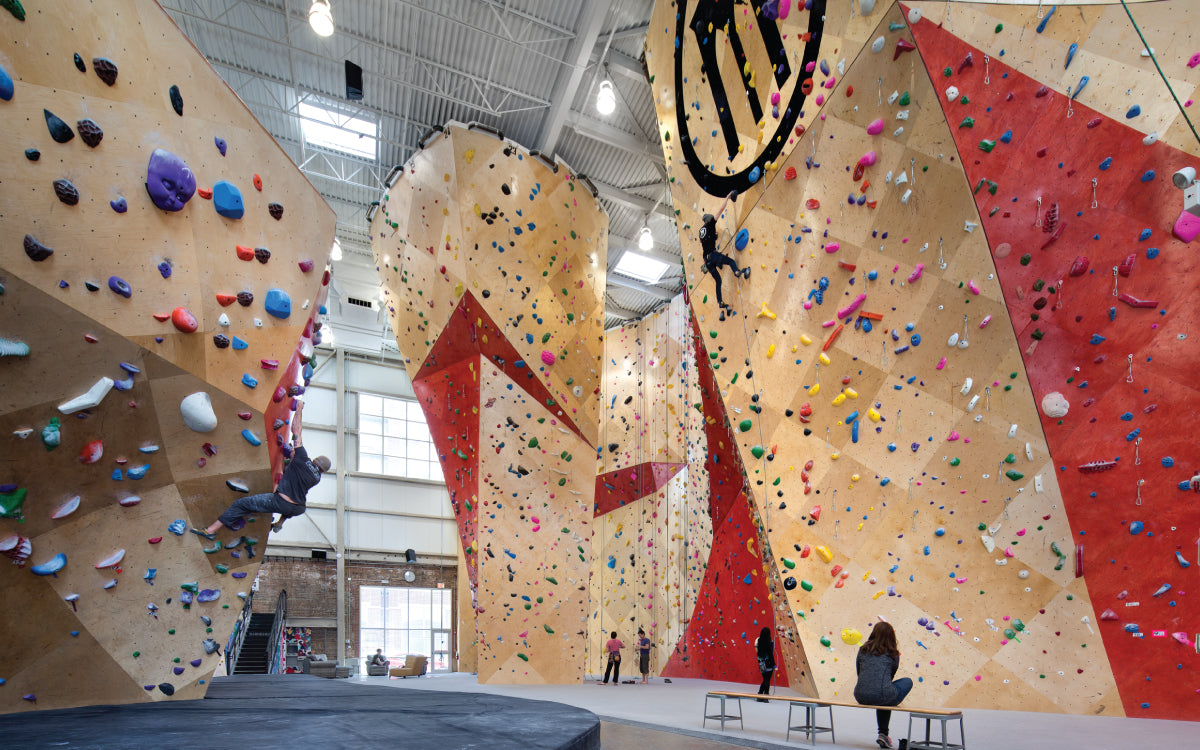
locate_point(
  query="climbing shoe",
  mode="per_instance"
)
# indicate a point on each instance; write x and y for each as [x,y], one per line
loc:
[746,272]
[203,533]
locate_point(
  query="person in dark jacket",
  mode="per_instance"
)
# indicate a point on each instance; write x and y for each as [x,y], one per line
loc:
[291,494]
[877,662]
[714,259]
[766,661]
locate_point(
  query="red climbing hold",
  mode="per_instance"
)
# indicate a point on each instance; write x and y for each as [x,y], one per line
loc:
[258,183]
[154,539]
[806,88]
[225,300]
[245,253]
[91,452]
[245,415]
[1080,266]
[162,317]
[968,62]
[205,193]
[789,173]
[1126,266]
[849,91]
[184,320]
[269,364]
[902,45]
[812,204]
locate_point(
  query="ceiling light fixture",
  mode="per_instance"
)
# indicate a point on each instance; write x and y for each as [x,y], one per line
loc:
[646,239]
[336,253]
[606,99]
[320,17]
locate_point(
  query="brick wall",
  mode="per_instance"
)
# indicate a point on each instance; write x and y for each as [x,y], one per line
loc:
[312,591]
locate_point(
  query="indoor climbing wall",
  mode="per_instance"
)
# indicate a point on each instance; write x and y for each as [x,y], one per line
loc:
[141,200]
[492,260]
[891,437]
[652,530]
[1075,147]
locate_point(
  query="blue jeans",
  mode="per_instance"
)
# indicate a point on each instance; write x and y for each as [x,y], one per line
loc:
[884,718]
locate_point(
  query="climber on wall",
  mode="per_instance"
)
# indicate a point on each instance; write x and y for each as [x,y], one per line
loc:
[714,259]
[290,495]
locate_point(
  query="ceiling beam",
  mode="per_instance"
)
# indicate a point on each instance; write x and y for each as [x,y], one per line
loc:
[636,202]
[613,136]
[619,62]
[570,75]
[638,31]
[615,279]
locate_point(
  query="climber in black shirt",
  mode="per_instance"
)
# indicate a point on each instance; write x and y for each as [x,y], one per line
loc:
[713,258]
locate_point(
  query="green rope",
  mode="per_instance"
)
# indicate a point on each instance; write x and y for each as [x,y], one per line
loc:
[1160,72]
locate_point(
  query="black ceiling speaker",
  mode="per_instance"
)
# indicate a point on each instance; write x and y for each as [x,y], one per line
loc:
[410,555]
[354,82]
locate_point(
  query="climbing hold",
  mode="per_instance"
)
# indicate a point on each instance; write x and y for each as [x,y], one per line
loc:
[227,200]
[176,100]
[105,69]
[67,508]
[198,412]
[251,438]
[742,239]
[89,400]
[60,131]
[120,286]
[1055,405]
[1133,112]
[765,313]
[278,303]
[91,452]
[183,320]
[11,500]
[89,132]
[169,181]
[35,250]
[276,211]
[66,192]
[51,567]
[257,182]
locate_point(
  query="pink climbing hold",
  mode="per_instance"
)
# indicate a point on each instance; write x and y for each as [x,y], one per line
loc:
[986,319]
[973,286]
[853,306]
[833,247]
[876,127]
[547,357]
[953,436]
[868,159]
[916,274]
[941,363]
[184,320]
[1194,60]
[1186,226]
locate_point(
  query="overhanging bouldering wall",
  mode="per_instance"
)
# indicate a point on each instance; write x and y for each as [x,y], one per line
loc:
[493,264]
[1079,211]
[141,200]
[652,530]
[877,396]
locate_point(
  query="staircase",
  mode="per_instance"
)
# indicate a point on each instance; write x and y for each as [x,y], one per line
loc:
[253,657]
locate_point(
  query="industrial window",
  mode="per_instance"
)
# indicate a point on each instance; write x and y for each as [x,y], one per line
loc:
[328,128]
[405,621]
[393,439]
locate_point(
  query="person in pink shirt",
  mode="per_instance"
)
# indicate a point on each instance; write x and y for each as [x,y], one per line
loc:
[613,647]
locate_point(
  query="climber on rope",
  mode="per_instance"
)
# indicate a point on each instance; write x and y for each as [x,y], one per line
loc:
[713,258]
[290,495]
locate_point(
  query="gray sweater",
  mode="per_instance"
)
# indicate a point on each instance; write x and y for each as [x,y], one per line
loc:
[875,674]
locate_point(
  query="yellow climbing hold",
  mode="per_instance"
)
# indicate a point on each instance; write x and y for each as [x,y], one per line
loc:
[839,399]
[770,351]
[851,636]
[458,289]
[851,393]
[469,155]
[853,477]
[873,414]
[878,594]
[478,211]
[823,358]
[765,313]
[835,456]
[824,553]
[804,339]
[814,389]
[794,347]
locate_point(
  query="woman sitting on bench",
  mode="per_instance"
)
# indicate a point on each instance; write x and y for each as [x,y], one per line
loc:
[878,660]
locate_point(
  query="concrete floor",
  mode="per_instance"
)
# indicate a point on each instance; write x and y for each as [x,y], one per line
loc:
[668,716]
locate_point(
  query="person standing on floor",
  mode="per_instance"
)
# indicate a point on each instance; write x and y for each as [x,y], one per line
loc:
[714,259]
[766,661]
[877,662]
[643,647]
[613,647]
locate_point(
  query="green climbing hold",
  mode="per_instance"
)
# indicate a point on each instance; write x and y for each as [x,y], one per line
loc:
[825,641]
[222,568]
[955,461]
[1039,285]
[1010,459]
[999,28]
[712,334]
[552,580]
[967,122]
[947,72]
[533,443]
[789,564]
[562,481]
[982,526]
[757,451]
[905,99]
[806,585]
[1014,475]
[964,99]
[1038,334]
[745,425]
[171,631]
[1025,259]
[548,629]
[987,145]
[522,657]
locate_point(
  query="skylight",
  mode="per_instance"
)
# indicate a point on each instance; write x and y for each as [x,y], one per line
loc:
[329,129]
[640,267]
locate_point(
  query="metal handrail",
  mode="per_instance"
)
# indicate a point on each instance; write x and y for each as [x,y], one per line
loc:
[233,648]
[277,644]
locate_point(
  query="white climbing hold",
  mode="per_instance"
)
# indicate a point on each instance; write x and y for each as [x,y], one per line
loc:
[1012,431]
[969,226]
[258,322]
[887,178]
[898,132]
[23,432]
[902,179]
[877,46]
[1023,574]
[902,114]
[841,67]
[223,320]
[904,198]
[988,543]
[1147,52]
[1029,451]
[10,348]
[111,560]
[1055,405]
[951,93]
[895,95]
[66,508]
[1151,139]
[966,388]
[914,16]
[198,412]
[89,400]
[1037,483]
[971,404]
[866,6]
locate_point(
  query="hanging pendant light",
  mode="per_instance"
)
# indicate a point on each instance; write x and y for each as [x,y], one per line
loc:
[606,99]
[645,239]
[320,17]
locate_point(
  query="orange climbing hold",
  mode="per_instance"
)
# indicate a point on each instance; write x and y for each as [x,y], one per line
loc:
[225,300]
[258,183]
[832,337]
[846,266]
[162,317]
[245,253]
[205,193]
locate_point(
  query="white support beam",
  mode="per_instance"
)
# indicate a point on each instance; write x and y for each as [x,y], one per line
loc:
[638,32]
[619,62]
[613,136]
[615,279]
[570,76]
[636,202]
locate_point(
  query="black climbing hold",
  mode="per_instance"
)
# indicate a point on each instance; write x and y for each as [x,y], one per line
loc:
[261,254]
[90,132]
[167,688]
[788,413]
[176,100]
[807,431]
[32,154]
[628,399]
[486,293]
[106,69]
[36,250]
[221,341]
[789,583]
[245,298]
[66,192]
[504,188]
[276,210]
[59,130]
[92,286]
[79,63]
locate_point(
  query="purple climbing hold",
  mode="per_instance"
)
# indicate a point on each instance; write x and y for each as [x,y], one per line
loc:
[239,574]
[245,298]
[165,269]
[276,210]
[208,595]
[120,286]
[36,250]
[177,670]
[60,131]
[227,199]
[196,662]
[221,145]
[120,205]
[169,180]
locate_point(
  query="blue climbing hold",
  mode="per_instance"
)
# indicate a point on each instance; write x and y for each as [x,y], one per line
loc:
[1145,235]
[56,563]
[872,274]
[1135,527]
[1096,339]
[1149,175]
[278,303]
[1071,54]
[1082,82]
[1104,165]
[1151,253]
[1042,26]
[866,325]
[1133,112]
[165,269]
[251,438]
[891,447]
[755,173]
[885,481]
[6,85]
[120,205]
[1168,462]
[1133,435]
[118,476]
[249,381]
[742,239]
[227,199]
[137,472]
[915,339]
[239,344]
[1007,137]
[177,527]
[1127,416]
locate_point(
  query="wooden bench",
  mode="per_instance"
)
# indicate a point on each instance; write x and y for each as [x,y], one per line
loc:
[811,728]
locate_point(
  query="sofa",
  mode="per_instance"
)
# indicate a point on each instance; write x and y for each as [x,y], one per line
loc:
[414,666]
[318,666]
[377,670]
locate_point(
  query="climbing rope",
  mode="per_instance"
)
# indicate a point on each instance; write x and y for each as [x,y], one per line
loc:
[1153,59]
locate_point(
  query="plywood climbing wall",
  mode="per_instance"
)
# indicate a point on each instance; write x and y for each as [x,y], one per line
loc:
[1079,211]
[117,279]
[492,262]
[653,532]
[875,387]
